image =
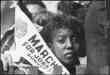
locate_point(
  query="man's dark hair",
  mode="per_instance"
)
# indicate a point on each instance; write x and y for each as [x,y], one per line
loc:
[60,21]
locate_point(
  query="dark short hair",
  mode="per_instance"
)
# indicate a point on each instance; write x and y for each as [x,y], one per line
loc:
[57,22]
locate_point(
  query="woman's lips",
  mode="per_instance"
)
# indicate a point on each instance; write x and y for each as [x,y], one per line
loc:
[68,55]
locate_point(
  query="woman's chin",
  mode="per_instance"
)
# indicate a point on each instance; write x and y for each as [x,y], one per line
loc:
[68,61]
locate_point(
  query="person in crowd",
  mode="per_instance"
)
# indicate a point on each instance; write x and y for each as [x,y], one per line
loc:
[32,7]
[78,11]
[62,35]
[6,44]
[35,10]
[10,64]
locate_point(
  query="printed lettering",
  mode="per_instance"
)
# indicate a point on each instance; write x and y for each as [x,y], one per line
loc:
[28,47]
[49,59]
[25,43]
[32,50]
[39,48]
[33,40]
[53,64]
[44,53]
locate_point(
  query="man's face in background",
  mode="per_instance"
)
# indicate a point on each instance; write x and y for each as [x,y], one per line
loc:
[34,9]
[64,44]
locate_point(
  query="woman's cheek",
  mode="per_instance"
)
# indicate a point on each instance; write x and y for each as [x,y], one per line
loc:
[76,46]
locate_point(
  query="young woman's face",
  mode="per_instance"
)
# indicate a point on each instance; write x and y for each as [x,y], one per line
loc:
[64,44]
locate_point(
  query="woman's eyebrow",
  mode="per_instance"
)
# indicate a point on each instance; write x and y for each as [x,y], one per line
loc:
[61,35]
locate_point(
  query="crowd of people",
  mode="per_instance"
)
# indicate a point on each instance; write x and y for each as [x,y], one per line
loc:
[76,31]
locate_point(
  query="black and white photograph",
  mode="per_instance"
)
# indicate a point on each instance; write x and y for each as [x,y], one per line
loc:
[55,37]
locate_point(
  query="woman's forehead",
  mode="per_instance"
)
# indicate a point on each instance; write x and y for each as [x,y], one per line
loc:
[62,31]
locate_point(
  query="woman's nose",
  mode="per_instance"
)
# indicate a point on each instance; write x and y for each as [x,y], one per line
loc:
[69,43]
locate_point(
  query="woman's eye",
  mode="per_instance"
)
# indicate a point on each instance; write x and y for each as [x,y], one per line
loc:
[61,40]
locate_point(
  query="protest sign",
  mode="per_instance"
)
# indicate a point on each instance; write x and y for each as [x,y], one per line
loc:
[32,47]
